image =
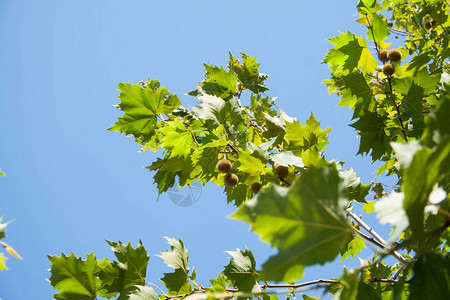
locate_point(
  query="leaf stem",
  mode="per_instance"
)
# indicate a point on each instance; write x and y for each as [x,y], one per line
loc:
[398,110]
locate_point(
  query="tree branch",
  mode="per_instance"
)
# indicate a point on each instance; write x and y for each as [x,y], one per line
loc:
[398,111]
[384,245]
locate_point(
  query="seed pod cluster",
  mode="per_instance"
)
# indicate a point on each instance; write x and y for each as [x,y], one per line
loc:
[224,166]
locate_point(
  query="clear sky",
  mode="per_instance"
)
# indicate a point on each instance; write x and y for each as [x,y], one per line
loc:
[70,184]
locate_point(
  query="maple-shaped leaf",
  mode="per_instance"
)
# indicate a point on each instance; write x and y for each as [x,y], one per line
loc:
[111,276]
[168,169]
[300,221]
[74,277]
[141,107]
[205,158]
[178,281]
[177,138]
[248,73]
[357,94]
[355,189]
[287,158]
[131,266]
[366,7]
[217,111]
[431,278]
[354,246]
[219,284]
[239,194]
[252,166]
[374,139]
[241,271]
[308,136]
[417,187]
[218,82]
[350,53]
[412,103]
[378,29]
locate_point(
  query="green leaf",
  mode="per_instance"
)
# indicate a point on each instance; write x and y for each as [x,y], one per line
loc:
[248,73]
[219,284]
[431,278]
[287,158]
[140,293]
[390,211]
[177,138]
[74,277]
[300,221]
[241,271]
[308,136]
[253,166]
[371,127]
[176,282]
[379,29]
[366,7]
[355,189]
[357,95]
[3,259]
[111,276]
[217,111]
[417,187]
[367,292]
[353,248]
[168,169]
[2,174]
[437,124]
[412,103]
[141,107]
[350,283]
[219,82]
[132,263]
[306,297]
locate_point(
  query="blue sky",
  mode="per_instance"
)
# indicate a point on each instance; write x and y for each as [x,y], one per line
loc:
[70,184]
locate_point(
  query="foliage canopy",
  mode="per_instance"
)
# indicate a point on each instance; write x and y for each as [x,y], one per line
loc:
[400,102]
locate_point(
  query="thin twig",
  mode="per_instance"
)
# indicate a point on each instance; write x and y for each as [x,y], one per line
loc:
[370,230]
[398,272]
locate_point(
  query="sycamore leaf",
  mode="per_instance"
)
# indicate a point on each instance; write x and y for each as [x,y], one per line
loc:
[132,263]
[168,168]
[378,29]
[371,127]
[140,293]
[217,111]
[390,211]
[248,73]
[141,107]
[219,284]
[177,281]
[219,82]
[412,103]
[366,7]
[437,124]
[305,137]
[431,278]
[417,187]
[241,271]
[355,189]
[177,138]
[357,94]
[353,248]
[287,158]
[300,221]
[74,277]
[252,166]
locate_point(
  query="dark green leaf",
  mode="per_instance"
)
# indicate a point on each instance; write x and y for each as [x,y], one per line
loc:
[219,82]
[241,271]
[431,278]
[74,277]
[132,263]
[177,281]
[412,103]
[367,292]
[300,221]
[371,127]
